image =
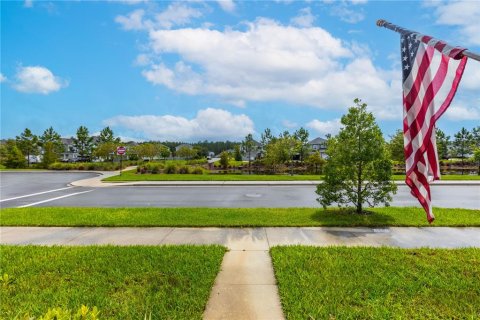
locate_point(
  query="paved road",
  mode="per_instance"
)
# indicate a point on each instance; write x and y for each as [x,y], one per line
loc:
[190,196]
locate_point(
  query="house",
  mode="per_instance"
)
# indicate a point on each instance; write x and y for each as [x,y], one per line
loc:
[320,145]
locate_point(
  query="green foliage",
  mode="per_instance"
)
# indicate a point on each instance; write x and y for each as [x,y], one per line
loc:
[238,153]
[170,168]
[224,159]
[11,156]
[443,141]
[248,145]
[395,147]
[187,152]
[266,138]
[83,142]
[197,170]
[27,142]
[49,154]
[106,150]
[183,170]
[476,157]
[358,168]
[106,136]
[301,135]
[462,145]
[316,162]
[377,283]
[50,135]
[99,166]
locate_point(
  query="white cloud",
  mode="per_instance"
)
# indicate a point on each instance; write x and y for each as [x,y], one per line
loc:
[272,62]
[176,14]
[134,21]
[2,78]
[463,14]
[28,4]
[471,76]
[289,124]
[142,60]
[227,5]
[347,13]
[460,112]
[37,79]
[325,127]
[305,18]
[216,124]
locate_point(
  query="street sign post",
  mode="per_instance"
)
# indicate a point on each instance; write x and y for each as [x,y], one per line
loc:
[121,151]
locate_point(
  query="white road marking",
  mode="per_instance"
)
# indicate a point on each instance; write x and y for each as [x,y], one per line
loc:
[53,199]
[35,194]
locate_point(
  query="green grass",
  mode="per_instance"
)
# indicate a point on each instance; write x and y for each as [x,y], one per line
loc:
[378,283]
[122,282]
[448,177]
[233,217]
[132,176]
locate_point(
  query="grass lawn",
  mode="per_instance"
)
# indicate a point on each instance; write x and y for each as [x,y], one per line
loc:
[232,217]
[378,283]
[122,282]
[449,177]
[133,176]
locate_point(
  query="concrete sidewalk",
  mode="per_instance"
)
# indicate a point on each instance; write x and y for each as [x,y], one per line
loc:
[246,238]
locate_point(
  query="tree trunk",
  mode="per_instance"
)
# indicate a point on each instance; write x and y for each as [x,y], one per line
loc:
[359,189]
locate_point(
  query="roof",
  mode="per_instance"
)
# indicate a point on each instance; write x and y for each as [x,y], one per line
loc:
[318,141]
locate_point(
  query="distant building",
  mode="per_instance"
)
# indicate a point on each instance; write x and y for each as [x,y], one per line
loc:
[320,145]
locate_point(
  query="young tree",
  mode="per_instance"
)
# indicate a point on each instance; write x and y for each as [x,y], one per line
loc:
[224,159]
[476,137]
[83,142]
[186,152]
[395,147]
[238,153]
[163,151]
[316,161]
[57,147]
[266,138]
[11,156]
[462,145]
[49,154]
[358,169]
[27,142]
[106,135]
[476,158]
[106,150]
[443,142]
[248,144]
[303,147]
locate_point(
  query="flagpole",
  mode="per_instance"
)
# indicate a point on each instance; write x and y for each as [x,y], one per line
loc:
[391,26]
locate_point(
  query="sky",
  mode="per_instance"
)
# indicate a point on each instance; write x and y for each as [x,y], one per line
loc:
[218,70]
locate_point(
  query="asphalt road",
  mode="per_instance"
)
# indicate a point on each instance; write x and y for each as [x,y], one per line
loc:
[51,189]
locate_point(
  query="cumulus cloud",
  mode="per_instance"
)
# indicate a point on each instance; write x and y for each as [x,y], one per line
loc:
[227,5]
[273,62]
[210,123]
[305,18]
[347,13]
[176,14]
[2,78]
[37,79]
[463,14]
[325,127]
[460,112]
[133,21]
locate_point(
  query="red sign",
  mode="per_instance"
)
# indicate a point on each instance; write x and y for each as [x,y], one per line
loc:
[121,151]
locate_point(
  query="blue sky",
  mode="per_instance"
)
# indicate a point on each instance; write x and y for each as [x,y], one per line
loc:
[217,70]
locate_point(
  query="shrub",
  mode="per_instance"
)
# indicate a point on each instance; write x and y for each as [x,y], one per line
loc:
[184,170]
[170,169]
[197,170]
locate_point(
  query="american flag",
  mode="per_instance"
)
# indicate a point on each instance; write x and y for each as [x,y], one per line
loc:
[431,73]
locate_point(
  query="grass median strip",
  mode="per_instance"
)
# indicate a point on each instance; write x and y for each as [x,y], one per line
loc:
[171,282]
[378,283]
[233,217]
[133,176]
